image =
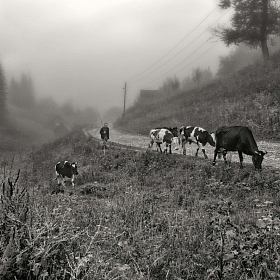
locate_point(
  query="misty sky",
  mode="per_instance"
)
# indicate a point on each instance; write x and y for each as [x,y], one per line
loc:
[85,50]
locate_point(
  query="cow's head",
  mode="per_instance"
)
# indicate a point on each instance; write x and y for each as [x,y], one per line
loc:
[74,168]
[257,159]
[174,131]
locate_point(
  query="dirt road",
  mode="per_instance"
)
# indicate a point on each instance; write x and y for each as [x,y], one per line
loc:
[271,159]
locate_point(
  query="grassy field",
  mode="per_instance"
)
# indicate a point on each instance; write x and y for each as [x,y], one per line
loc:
[136,215]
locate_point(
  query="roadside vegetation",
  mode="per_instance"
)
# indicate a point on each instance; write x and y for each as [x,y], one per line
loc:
[136,215]
[249,97]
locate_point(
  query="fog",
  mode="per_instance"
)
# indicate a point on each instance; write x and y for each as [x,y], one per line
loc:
[85,50]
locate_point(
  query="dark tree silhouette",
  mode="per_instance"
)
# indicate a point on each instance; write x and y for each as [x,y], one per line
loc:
[3,108]
[22,93]
[254,22]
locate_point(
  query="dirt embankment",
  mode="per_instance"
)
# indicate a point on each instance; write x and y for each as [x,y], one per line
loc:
[271,159]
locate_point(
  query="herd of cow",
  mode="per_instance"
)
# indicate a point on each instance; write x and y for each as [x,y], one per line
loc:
[225,139]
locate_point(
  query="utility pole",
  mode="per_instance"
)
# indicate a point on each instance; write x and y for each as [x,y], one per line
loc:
[124,100]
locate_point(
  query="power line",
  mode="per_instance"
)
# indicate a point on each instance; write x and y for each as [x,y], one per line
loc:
[169,59]
[185,65]
[159,67]
[186,59]
[173,47]
[183,62]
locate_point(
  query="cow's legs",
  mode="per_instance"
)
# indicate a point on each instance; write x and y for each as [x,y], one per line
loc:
[198,147]
[164,147]
[72,180]
[61,180]
[203,151]
[240,158]
[168,146]
[158,147]
[224,153]
[64,181]
[184,147]
[57,177]
[58,180]
[151,144]
[215,156]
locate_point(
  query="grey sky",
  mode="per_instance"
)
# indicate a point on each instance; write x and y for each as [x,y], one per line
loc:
[84,50]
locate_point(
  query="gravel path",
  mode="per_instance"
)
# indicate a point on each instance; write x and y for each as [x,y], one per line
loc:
[271,159]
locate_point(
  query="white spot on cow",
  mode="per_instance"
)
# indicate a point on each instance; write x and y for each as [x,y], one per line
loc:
[200,129]
[213,135]
[192,138]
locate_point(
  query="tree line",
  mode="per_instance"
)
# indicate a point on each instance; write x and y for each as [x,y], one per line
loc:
[23,96]
[23,111]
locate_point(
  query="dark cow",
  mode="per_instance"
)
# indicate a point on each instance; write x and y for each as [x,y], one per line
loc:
[66,169]
[198,135]
[174,131]
[240,139]
[161,136]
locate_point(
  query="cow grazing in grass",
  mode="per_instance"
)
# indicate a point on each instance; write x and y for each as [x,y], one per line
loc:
[66,169]
[197,135]
[161,136]
[174,131]
[240,139]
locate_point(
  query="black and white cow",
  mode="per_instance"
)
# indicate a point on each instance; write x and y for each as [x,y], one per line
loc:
[197,135]
[240,139]
[174,131]
[66,169]
[161,136]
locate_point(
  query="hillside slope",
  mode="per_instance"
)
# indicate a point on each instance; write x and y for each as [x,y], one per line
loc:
[250,97]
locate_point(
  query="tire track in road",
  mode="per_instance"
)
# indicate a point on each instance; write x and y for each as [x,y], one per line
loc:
[140,141]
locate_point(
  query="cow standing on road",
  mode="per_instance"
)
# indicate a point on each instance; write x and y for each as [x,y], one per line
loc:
[240,139]
[161,136]
[197,135]
[66,169]
[174,131]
